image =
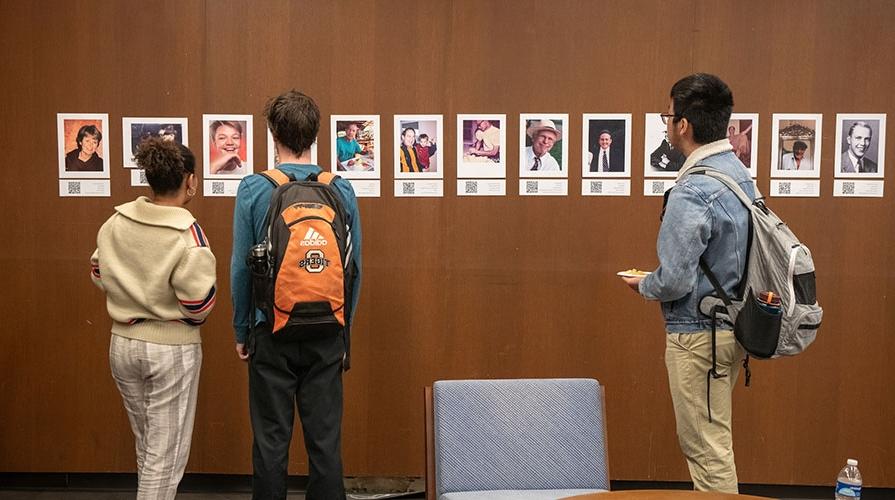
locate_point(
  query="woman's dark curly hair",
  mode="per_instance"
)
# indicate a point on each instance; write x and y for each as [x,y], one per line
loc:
[166,164]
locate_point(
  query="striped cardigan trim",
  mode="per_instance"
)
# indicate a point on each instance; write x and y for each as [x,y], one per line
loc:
[198,306]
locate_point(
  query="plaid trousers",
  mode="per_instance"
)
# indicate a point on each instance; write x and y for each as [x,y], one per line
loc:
[159,384]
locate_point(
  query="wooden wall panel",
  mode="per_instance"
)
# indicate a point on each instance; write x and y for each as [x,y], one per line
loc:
[453,288]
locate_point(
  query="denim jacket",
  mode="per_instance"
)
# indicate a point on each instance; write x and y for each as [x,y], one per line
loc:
[702,218]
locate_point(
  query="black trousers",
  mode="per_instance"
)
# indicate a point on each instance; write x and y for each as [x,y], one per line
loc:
[283,373]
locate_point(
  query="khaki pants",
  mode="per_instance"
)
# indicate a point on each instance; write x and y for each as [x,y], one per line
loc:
[708,447]
[159,384]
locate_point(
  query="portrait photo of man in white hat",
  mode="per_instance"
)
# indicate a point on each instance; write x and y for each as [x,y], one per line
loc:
[542,134]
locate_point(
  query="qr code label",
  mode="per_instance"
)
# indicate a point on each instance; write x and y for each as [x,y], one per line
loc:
[531,187]
[784,188]
[471,187]
[848,188]
[658,187]
[408,188]
[74,188]
[596,187]
[217,187]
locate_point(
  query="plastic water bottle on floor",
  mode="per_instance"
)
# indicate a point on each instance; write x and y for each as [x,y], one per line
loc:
[848,483]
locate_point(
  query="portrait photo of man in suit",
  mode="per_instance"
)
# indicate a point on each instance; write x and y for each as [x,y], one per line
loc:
[603,156]
[854,157]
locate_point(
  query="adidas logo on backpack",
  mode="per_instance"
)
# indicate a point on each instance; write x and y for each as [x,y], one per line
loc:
[313,239]
[305,289]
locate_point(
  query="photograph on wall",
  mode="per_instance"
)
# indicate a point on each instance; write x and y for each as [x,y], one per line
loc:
[355,153]
[228,146]
[417,153]
[606,145]
[742,132]
[795,145]
[862,145]
[273,160]
[660,158]
[136,130]
[543,145]
[480,140]
[83,148]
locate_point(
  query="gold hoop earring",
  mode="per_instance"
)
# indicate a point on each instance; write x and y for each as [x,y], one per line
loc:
[191,192]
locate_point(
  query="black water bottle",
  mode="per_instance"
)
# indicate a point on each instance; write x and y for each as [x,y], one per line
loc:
[259,261]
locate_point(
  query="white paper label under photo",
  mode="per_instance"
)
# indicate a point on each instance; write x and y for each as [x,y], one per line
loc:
[657,187]
[85,187]
[220,187]
[366,188]
[795,188]
[858,189]
[543,187]
[138,177]
[481,187]
[605,187]
[405,188]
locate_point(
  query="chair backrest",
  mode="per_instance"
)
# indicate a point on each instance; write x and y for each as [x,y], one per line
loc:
[519,435]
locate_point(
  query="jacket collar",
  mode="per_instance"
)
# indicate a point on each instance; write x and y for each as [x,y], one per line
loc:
[144,211]
[702,152]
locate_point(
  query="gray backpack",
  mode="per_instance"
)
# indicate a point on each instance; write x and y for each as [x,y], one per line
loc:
[776,262]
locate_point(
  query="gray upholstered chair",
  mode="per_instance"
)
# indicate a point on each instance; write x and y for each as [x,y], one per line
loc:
[530,439]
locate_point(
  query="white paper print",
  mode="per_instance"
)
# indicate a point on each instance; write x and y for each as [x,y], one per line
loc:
[405,188]
[543,187]
[364,188]
[861,141]
[795,145]
[84,188]
[742,132]
[481,187]
[606,187]
[481,146]
[606,145]
[220,187]
[795,188]
[227,146]
[83,145]
[544,145]
[858,189]
[419,153]
[657,187]
[356,146]
[136,130]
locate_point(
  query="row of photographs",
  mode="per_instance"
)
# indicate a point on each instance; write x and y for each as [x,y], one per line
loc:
[543,145]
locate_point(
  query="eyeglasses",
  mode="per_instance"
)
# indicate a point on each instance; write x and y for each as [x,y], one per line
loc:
[666,116]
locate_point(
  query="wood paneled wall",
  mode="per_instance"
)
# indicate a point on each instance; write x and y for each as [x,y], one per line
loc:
[453,287]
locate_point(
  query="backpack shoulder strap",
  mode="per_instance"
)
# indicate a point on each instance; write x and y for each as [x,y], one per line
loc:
[326,177]
[727,181]
[275,176]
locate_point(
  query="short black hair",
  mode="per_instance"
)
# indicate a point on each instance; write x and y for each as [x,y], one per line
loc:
[706,102]
[423,136]
[166,164]
[799,146]
[88,129]
[294,120]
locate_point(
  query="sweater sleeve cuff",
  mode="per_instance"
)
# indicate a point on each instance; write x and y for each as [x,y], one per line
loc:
[242,335]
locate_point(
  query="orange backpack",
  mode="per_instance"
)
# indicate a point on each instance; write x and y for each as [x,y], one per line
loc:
[305,286]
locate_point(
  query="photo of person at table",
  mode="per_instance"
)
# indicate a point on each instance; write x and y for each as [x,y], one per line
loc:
[227,151]
[85,157]
[350,154]
[481,141]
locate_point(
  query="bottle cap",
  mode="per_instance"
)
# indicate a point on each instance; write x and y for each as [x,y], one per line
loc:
[851,461]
